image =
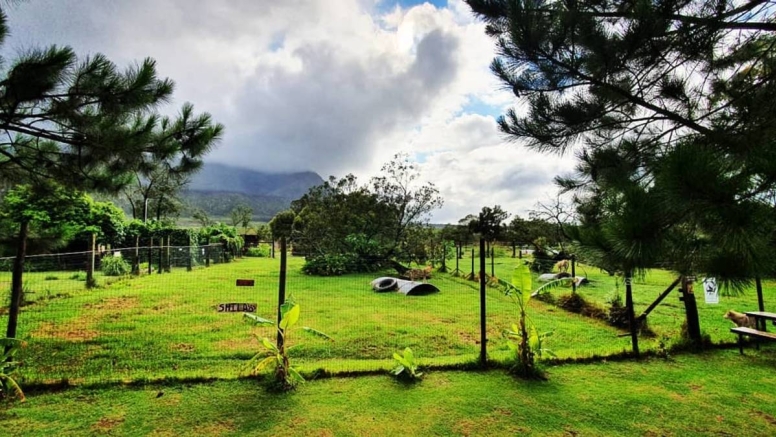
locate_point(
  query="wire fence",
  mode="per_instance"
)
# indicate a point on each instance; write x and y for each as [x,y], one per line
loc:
[185,319]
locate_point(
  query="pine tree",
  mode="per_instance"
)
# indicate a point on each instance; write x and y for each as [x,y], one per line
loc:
[668,106]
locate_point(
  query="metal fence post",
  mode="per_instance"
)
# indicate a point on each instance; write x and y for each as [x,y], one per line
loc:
[281,288]
[483,312]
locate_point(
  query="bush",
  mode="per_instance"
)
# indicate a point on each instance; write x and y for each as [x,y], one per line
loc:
[51,278]
[78,276]
[328,265]
[336,265]
[618,312]
[575,303]
[262,251]
[115,266]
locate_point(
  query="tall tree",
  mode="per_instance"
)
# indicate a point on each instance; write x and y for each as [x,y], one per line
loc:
[241,215]
[48,207]
[667,104]
[87,125]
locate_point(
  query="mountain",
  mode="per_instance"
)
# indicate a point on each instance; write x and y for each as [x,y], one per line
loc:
[228,179]
[218,188]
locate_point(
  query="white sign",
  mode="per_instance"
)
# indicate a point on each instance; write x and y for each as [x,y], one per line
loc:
[711,290]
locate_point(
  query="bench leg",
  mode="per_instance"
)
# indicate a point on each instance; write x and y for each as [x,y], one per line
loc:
[741,344]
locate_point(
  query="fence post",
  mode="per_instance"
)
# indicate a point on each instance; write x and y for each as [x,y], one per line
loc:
[188,258]
[90,265]
[483,312]
[168,261]
[136,259]
[150,254]
[634,331]
[207,254]
[443,269]
[691,310]
[281,288]
[492,262]
[573,274]
[473,265]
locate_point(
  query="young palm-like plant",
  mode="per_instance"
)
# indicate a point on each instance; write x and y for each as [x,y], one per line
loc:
[274,357]
[406,366]
[524,340]
[8,385]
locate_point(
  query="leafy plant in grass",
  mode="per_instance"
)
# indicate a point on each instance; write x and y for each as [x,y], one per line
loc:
[115,266]
[261,251]
[8,385]
[274,357]
[524,340]
[78,276]
[406,366]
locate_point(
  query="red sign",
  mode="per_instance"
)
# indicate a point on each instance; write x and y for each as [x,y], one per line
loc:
[245,282]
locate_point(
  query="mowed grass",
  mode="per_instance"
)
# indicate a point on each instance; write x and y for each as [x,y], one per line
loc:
[160,326]
[719,393]
[667,318]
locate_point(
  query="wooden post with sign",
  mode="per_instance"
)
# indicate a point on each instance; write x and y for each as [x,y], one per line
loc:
[634,329]
[691,310]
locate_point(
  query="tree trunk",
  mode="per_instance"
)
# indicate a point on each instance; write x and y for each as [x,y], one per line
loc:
[16,281]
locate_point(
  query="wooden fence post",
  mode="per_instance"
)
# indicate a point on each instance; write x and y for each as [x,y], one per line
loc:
[90,265]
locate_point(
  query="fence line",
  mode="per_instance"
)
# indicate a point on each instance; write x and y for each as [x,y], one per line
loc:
[171,324]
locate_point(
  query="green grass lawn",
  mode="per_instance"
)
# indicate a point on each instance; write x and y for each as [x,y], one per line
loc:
[718,393]
[159,326]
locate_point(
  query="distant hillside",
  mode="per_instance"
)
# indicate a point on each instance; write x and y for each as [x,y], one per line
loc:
[226,178]
[221,203]
[218,188]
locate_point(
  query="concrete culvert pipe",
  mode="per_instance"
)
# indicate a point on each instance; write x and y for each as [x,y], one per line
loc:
[412,288]
[384,284]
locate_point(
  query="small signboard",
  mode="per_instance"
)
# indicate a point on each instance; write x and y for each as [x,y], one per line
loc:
[245,282]
[711,290]
[237,307]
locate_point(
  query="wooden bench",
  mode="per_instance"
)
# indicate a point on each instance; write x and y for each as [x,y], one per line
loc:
[761,318]
[751,332]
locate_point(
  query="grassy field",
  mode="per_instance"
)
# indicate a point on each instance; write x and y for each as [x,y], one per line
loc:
[160,326]
[718,393]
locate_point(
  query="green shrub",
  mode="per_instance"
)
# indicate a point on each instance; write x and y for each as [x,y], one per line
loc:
[328,265]
[115,266]
[618,312]
[262,251]
[78,276]
[51,278]
[406,366]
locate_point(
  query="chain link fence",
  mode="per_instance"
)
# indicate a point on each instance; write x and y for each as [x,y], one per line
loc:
[185,319]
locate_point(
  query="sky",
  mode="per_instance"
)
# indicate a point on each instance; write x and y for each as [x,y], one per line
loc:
[331,86]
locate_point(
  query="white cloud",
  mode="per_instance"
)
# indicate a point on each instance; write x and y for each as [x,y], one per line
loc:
[332,86]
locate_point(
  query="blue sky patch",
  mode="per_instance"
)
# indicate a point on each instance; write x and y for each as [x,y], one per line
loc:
[477,106]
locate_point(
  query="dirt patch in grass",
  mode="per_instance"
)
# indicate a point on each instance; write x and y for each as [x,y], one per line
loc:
[766,417]
[235,344]
[183,347]
[107,424]
[78,330]
[217,428]
[114,303]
